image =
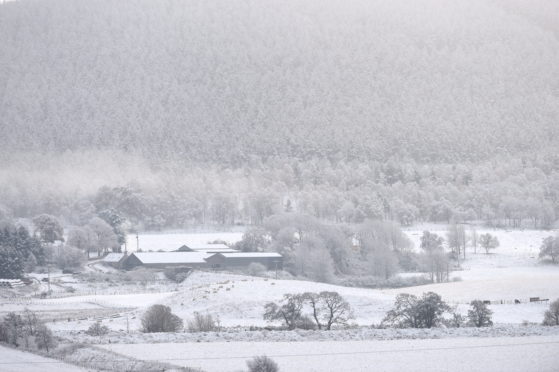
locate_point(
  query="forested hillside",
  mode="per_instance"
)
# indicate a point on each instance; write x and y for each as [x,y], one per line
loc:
[346,110]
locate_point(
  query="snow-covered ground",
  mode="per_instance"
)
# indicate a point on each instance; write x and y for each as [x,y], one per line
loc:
[511,272]
[457,355]
[12,360]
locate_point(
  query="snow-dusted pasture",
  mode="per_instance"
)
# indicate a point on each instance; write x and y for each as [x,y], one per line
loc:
[483,354]
[12,360]
[511,272]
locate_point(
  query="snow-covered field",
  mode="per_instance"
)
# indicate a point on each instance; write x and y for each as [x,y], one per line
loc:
[12,360]
[510,272]
[457,355]
[173,241]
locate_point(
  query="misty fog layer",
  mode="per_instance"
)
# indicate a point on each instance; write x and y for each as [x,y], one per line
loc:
[344,110]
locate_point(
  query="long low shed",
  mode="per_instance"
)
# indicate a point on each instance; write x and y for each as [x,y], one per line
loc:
[272,261]
[163,260]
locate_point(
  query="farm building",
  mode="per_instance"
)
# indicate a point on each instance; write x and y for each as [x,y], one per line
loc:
[163,260]
[114,259]
[271,260]
[207,248]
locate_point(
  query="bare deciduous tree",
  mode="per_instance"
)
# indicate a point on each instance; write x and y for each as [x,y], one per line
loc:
[290,311]
[203,323]
[328,309]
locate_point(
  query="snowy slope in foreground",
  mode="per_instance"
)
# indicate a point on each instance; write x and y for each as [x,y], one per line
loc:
[496,354]
[18,361]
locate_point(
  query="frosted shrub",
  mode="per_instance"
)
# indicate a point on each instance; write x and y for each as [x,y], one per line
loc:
[159,318]
[97,329]
[203,323]
[262,364]
[256,269]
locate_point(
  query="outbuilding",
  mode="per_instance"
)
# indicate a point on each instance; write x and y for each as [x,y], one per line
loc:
[114,259]
[207,248]
[162,260]
[272,260]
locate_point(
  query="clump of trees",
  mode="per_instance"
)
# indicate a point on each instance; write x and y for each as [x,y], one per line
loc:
[326,310]
[411,311]
[27,331]
[430,311]
[19,250]
[551,316]
[159,318]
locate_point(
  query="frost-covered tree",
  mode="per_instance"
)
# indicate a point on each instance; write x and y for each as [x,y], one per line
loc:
[97,329]
[479,314]
[159,318]
[488,242]
[416,312]
[550,248]
[380,241]
[48,228]
[551,316]
[44,338]
[103,234]
[289,311]
[434,259]
[12,263]
[456,238]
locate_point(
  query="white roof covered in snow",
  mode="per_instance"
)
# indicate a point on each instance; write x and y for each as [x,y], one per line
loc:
[210,248]
[207,246]
[171,257]
[113,257]
[251,255]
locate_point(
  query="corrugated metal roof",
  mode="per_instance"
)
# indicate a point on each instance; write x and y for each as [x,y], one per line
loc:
[251,255]
[215,250]
[113,257]
[201,246]
[171,257]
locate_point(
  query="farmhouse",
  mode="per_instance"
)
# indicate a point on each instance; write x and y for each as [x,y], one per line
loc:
[163,260]
[271,260]
[114,259]
[207,248]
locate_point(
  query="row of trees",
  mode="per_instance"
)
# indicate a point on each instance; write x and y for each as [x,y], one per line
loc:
[321,311]
[327,309]
[336,192]
[376,249]
[21,250]
[429,311]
